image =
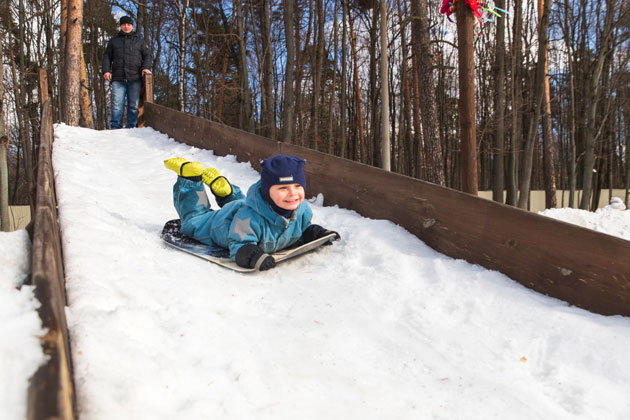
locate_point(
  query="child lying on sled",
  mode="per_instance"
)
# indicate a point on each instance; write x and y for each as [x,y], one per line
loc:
[272,216]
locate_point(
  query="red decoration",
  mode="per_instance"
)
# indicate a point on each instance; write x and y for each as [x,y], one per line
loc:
[448,7]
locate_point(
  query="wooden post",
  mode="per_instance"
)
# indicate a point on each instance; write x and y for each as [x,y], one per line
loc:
[465,27]
[146,95]
[44,87]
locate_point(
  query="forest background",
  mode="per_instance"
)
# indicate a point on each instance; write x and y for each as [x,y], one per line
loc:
[373,81]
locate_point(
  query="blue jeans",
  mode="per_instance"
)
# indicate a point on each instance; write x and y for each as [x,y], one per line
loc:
[120,89]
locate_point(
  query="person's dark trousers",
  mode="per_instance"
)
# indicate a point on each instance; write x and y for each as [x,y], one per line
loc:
[131,90]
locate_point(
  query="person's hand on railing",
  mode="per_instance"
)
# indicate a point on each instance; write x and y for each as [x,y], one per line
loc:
[107,76]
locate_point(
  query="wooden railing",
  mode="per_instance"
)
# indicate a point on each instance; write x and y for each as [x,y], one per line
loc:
[580,266]
[51,392]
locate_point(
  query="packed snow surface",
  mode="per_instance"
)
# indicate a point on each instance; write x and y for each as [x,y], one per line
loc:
[20,326]
[377,326]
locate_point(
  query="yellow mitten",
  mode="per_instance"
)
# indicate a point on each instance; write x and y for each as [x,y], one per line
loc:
[217,182]
[182,167]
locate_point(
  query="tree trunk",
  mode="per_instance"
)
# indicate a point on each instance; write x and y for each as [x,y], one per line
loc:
[406,96]
[571,164]
[360,149]
[549,170]
[594,97]
[344,70]
[182,53]
[419,165]
[385,141]
[268,117]
[317,74]
[72,67]
[246,121]
[466,52]
[4,176]
[19,92]
[539,88]
[300,58]
[85,98]
[333,90]
[428,110]
[4,144]
[517,100]
[373,138]
[498,167]
[289,97]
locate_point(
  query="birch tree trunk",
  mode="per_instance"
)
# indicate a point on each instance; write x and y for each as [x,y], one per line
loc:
[549,170]
[498,167]
[72,64]
[182,10]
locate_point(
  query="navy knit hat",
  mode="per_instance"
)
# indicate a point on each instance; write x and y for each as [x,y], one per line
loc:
[125,19]
[281,169]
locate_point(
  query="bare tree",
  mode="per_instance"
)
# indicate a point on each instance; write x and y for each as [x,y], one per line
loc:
[245,109]
[594,88]
[548,155]
[428,111]
[498,168]
[4,144]
[466,106]
[182,16]
[385,142]
[539,89]
[289,97]
[72,64]
[268,114]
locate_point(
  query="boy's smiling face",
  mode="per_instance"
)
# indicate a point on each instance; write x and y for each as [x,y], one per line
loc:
[287,196]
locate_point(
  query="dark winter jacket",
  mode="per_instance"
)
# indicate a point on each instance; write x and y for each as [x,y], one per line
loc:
[126,56]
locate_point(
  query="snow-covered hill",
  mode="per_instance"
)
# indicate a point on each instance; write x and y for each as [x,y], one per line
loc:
[377,326]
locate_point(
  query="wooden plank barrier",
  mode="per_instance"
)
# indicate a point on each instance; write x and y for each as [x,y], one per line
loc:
[580,266]
[51,391]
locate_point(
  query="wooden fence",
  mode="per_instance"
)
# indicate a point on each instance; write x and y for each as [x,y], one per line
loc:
[580,266]
[51,392]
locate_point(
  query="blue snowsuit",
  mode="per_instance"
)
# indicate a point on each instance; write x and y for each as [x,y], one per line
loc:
[241,220]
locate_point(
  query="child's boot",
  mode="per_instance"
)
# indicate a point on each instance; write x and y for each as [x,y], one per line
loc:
[182,167]
[218,184]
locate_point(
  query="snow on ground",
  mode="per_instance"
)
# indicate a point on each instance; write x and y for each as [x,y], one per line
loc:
[377,326]
[612,219]
[20,326]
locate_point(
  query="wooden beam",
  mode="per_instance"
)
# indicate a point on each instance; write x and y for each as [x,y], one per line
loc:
[580,266]
[51,392]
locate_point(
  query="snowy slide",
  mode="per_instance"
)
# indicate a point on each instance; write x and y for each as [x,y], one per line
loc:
[378,326]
